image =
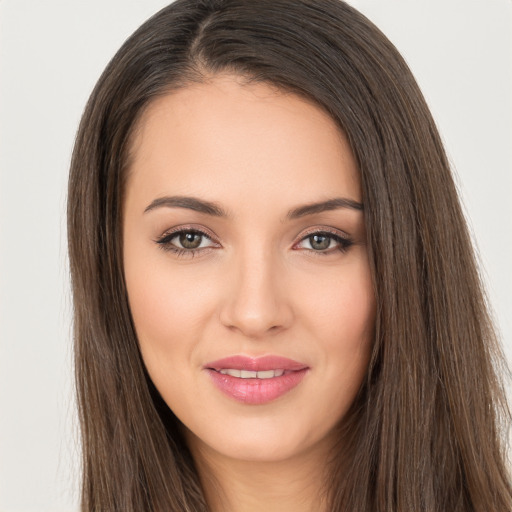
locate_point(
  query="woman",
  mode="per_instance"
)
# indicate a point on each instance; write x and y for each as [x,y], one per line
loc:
[276,300]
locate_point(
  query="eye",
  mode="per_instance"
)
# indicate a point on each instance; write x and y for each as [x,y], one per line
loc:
[325,242]
[185,241]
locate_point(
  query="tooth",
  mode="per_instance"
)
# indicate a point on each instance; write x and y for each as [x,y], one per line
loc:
[247,374]
[266,374]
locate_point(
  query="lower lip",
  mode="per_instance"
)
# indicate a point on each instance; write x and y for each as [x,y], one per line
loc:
[256,391]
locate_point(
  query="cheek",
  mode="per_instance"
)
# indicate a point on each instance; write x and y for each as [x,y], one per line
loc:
[342,323]
[167,307]
[168,314]
[160,305]
[342,306]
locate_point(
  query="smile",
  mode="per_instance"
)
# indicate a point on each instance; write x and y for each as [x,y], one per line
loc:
[249,374]
[256,381]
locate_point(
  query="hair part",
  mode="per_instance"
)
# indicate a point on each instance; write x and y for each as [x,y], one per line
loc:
[426,430]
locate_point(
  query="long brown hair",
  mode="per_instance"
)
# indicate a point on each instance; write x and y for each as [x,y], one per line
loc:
[427,427]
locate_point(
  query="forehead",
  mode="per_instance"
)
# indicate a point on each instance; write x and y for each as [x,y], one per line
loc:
[228,139]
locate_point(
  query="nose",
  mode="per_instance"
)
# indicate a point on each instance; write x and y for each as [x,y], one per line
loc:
[257,301]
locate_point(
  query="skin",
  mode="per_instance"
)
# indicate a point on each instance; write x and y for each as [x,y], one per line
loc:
[258,287]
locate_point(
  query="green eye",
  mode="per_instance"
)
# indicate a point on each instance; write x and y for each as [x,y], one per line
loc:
[322,241]
[190,239]
[185,242]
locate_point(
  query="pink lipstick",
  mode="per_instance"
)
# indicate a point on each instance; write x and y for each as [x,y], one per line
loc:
[256,381]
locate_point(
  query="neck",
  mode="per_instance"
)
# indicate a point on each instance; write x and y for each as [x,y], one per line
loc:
[234,485]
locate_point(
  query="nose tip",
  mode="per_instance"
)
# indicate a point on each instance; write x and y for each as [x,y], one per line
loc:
[257,304]
[253,326]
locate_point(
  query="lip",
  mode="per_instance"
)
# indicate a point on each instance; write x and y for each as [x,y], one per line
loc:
[256,391]
[256,364]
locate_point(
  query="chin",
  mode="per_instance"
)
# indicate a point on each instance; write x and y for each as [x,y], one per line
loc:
[261,440]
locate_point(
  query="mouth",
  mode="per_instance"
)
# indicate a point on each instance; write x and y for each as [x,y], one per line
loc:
[256,381]
[256,364]
[249,374]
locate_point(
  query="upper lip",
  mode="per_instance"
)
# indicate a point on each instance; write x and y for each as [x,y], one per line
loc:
[270,362]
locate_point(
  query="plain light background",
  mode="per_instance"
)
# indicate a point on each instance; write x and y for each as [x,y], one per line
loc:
[51,54]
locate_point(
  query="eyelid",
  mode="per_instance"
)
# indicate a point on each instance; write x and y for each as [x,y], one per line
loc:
[324,229]
[188,227]
[343,239]
[164,241]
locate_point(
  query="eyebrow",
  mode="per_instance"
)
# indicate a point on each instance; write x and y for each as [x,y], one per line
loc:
[214,209]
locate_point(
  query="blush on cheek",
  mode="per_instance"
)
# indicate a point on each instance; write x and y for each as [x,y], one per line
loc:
[153,299]
[349,308]
[169,310]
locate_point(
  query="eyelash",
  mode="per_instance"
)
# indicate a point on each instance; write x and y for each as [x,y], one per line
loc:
[164,242]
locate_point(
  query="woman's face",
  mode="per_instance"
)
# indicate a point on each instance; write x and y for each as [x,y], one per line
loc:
[246,267]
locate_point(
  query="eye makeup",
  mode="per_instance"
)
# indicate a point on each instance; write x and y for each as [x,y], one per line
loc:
[189,242]
[317,237]
[186,237]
